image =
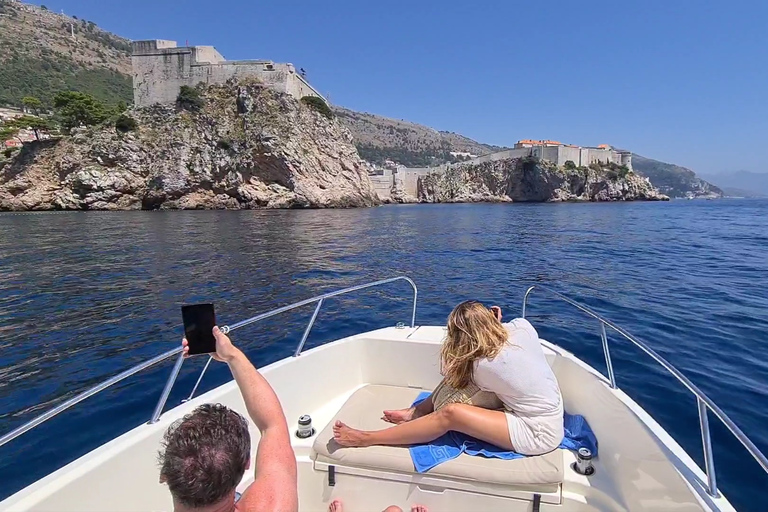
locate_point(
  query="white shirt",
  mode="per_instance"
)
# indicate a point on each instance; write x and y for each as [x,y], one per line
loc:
[520,375]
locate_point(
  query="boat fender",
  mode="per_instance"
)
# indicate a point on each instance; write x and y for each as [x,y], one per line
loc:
[331,476]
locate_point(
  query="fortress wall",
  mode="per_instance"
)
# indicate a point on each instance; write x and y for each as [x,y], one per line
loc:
[160,69]
[546,153]
[382,185]
[298,87]
[409,179]
[158,77]
[500,155]
[206,54]
[626,159]
[565,153]
[592,155]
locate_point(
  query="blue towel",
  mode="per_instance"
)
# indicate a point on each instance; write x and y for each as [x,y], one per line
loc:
[451,445]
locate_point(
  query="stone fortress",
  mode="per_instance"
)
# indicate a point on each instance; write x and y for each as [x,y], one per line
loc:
[406,179]
[161,67]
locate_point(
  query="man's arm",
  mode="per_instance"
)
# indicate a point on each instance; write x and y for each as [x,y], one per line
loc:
[275,486]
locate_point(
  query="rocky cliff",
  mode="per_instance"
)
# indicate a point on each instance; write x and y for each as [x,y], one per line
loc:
[247,147]
[524,180]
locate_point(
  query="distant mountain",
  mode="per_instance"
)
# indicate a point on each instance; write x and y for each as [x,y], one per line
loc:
[674,180]
[42,53]
[741,183]
[381,138]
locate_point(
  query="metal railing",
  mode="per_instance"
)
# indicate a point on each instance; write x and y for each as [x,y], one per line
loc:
[13,434]
[703,401]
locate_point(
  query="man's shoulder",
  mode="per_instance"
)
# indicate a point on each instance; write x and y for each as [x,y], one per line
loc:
[266,497]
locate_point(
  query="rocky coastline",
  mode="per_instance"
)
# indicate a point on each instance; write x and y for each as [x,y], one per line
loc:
[249,147]
[529,180]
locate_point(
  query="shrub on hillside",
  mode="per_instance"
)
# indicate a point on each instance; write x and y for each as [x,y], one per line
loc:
[125,123]
[189,98]
[79,109]
[318,105]
[8,152]
[570,165]
[623,171]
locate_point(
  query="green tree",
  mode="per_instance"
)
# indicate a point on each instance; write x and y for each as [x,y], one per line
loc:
[189,99]
[79,109]
[8,131]
[318,105]
[125,123]
[569,164]
[32,104]
[34,123]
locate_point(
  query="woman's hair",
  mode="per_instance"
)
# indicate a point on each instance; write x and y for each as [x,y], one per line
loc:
[473,333]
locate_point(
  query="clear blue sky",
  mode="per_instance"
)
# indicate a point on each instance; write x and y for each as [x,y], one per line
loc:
[681,81]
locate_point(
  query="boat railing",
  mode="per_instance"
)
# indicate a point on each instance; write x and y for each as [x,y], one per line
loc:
[704,403]
[42,418]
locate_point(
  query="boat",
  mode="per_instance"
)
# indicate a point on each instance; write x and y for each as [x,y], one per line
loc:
[639,467]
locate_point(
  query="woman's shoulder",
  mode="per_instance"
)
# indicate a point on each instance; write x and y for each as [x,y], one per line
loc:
[521,324]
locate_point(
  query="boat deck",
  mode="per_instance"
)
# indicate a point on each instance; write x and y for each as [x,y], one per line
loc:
[639,467]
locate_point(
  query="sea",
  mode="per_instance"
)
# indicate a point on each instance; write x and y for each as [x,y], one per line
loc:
[86,295]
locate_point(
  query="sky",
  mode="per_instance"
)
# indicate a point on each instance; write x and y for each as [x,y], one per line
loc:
[682,81]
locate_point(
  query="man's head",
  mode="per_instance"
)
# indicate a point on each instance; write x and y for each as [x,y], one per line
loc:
[204,455]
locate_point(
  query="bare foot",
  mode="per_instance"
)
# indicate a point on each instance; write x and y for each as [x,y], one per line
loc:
[336,506]
[418,508]
[347,436]
[399,416]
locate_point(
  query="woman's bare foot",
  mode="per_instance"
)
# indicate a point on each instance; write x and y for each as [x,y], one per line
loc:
[336,506]
[347,436]
[399,416]
[418,508]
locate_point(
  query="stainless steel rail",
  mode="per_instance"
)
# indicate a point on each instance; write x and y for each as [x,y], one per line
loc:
[703,401]
[319,300]
[13,434]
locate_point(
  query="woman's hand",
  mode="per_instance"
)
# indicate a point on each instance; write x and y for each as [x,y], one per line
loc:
[496,310]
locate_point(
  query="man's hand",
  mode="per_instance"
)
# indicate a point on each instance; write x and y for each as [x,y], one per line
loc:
[225,350]
[496,310]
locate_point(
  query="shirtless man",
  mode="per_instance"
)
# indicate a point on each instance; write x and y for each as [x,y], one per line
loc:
[205,454]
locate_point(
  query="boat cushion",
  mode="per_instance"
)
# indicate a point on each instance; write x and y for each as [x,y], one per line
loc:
[363,410]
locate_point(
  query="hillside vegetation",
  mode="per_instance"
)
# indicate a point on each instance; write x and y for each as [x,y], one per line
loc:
[39,57]
[379,138]
[674,180]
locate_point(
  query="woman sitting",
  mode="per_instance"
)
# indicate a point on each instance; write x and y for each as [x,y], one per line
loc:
[505,360]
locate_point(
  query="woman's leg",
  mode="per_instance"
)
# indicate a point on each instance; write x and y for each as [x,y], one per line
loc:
[486,425]
[424,407]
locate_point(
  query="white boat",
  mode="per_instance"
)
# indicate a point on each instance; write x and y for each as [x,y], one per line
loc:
[639,467]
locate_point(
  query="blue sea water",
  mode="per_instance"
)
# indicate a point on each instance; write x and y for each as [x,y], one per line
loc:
[86,295]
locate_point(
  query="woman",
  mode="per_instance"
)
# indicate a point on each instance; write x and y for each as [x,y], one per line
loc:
[506,361]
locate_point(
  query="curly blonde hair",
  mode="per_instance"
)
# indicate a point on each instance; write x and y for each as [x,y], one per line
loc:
[473,333]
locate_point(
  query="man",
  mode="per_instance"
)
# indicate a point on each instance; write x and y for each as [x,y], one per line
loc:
[205,454]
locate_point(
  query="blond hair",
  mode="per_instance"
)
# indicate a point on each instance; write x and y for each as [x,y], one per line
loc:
[473,333]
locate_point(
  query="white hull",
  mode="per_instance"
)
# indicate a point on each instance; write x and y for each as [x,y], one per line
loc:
[639,468]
